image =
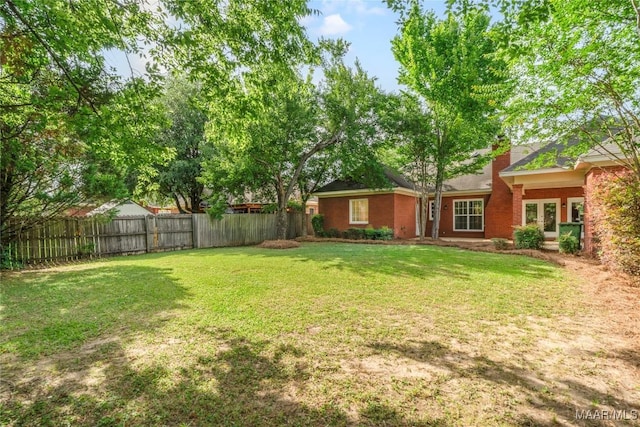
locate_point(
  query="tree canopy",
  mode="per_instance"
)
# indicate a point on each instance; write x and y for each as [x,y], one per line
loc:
[275,124]
[458,84]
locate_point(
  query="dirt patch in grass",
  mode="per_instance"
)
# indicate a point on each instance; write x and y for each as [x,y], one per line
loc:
[279,244]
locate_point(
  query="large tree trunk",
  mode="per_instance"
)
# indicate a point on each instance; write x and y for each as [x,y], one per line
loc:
[281,223]
[281,219]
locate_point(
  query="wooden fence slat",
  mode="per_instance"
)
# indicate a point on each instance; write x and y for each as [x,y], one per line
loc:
[63,239]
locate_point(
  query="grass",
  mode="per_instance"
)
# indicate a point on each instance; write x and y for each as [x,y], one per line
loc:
[324,334]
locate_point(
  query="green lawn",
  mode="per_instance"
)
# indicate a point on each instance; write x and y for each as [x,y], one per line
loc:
[325,334]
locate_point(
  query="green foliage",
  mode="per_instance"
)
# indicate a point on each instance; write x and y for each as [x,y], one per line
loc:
[178,180]
[568,243]
[8,260]
[86,250]
[456,86]
[275,127]
[577,73]
[71,130]
[332,232]
[317,222]
[613,201]
[500,244]
[528,237]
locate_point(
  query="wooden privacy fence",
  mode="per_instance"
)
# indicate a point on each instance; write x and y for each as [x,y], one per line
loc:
[74,238]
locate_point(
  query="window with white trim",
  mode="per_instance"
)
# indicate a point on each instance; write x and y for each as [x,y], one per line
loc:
[432,209]
[359,211]
[468,215]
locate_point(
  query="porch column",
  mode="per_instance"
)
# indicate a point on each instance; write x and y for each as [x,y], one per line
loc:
[517,205]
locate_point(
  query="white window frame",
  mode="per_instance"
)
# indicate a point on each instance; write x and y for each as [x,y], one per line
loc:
[454,215]
[571,200]
[351,202]
[432,206]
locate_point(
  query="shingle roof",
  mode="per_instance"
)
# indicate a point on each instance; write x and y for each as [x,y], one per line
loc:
[394,180]
[549,155]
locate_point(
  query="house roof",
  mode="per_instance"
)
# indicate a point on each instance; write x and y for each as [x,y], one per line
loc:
[548,156]
[481,181]
[395,180]
[123,208]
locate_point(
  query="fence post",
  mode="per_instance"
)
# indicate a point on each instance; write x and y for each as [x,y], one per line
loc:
[194,231]
[149,227]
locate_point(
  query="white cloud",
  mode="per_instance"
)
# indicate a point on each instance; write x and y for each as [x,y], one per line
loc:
[359,7]
[334,25]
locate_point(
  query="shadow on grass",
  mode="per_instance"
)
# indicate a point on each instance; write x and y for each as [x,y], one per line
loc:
[46,312]
[410,260]
[243,383]
[540,393]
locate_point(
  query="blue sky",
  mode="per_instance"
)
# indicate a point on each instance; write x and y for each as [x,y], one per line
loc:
[368,25]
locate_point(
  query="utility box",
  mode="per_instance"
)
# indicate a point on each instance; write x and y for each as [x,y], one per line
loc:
[575,228]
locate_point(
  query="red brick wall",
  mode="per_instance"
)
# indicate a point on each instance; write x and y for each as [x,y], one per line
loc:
[499,208]
[589,245]
[404,216]
[446,218]
[336,211]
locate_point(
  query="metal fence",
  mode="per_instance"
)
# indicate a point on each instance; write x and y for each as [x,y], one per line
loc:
[74,238]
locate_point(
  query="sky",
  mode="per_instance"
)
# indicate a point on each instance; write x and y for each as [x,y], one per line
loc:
[368,25]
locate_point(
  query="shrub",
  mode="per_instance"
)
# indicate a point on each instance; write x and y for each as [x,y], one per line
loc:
[568,243]
[86,250]
[8,259]
[317,222]
[370,233]
[333,232]
[613,203]
[385,233]
[500,244]
[354,233]
[528,237]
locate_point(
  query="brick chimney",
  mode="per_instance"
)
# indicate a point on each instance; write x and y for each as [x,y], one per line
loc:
[499,209]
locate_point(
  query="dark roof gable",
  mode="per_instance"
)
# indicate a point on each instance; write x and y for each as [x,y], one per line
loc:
[394,179]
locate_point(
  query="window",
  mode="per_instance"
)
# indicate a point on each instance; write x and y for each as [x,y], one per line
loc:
[359,211]
[468,215]
[432,207]
[312,211]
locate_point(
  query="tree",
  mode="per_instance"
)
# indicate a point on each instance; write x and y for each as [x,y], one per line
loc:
[577,65]
[67,126]
[277,122]
[179,179]
[410,126]
[451,68]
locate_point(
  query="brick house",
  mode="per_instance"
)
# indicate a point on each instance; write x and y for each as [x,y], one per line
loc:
[509,191]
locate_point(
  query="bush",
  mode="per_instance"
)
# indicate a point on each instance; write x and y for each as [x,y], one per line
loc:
[354,233]
[528,237]
[385,233]
[500,244]
[613,203]
[8,260]
[333,232]
[568,243]
[317,222]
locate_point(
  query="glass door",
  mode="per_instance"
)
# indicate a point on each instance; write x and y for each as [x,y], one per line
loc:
[543,213]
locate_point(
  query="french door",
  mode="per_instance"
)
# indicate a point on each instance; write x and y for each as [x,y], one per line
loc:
[544,213]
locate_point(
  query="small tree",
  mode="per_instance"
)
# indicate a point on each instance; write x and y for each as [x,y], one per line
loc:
[451,68]
[179,179]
